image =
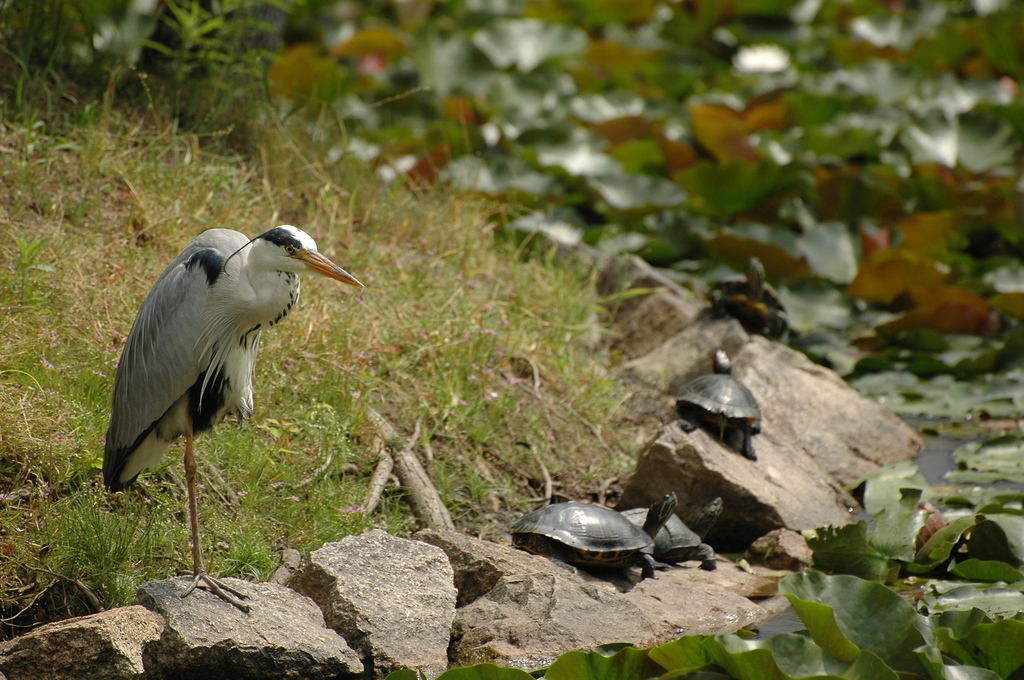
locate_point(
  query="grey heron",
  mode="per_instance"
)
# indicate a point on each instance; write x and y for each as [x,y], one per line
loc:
[188,361]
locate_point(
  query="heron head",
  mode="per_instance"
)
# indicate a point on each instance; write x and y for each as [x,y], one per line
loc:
[294,250]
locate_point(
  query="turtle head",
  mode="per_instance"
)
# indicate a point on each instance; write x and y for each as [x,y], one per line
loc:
[755,279]
[722,364]
[659,513]
[701,524]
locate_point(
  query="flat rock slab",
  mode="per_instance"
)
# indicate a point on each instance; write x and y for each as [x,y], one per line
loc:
[104,646]
[817,434]
[522,609]
[282,636]
[392,598]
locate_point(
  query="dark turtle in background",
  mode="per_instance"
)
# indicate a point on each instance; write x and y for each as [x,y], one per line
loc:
[752,301]
[723,404]
[588,534]
[678,542]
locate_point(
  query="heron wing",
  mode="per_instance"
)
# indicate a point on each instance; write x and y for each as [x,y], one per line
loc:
[161,359]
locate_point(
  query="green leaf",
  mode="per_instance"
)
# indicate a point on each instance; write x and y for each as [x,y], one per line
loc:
[627,662]
[845,615]
[483,671]
[497,176]
[789,656]
[998,646]
[527,43]
[685,654]
[734,188]
[628,193]
[933,660]
[986,570]
[829,250]
[897,526]
[999,458]
[847,550]
[884,487]
[940,546]
[998,537]
[994,600]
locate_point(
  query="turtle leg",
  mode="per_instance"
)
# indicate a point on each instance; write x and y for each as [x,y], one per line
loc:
[706,554]
[748,445]
[687,421]
[647,565]
[557,558]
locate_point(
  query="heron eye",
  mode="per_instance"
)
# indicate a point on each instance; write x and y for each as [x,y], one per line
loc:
[290,250]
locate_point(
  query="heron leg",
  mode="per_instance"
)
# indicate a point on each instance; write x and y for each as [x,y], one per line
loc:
[198,569]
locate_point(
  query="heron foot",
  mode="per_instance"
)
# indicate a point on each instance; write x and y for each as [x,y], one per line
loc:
[221,590]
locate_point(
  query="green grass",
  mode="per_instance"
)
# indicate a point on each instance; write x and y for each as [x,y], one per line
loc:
[452,325]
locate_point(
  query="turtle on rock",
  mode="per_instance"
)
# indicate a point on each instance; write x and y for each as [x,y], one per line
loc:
[723,404]
[679,542]
[752,301]
[593,535]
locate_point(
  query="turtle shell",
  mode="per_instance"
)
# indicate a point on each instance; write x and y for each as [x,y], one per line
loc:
[720,395]
[592,534]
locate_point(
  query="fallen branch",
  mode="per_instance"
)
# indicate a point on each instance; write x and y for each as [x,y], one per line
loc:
[426,501]
[379,480]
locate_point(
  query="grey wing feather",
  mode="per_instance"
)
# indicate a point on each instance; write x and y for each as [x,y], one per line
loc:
[161,360]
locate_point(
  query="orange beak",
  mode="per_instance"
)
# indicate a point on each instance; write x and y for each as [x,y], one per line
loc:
[316,262]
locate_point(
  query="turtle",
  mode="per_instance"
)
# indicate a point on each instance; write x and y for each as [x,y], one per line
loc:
[722,401]
[587,534]
[752,301]
[679,542]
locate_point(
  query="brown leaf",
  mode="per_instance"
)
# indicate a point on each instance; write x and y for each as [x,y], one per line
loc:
[777,261]
[887,273]
[424,173]
[723,133]
[1011,304]
[929,233]
[678,154]
[619,130]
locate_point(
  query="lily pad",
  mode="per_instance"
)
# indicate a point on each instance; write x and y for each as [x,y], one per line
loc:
[885,487]
[734,188]
[626,662]
[846,615]
[527,43]
[994,600]
[828,249]
[789,656]
[498,175]
[637,193]
[986,570]
[999,458]
[847,550]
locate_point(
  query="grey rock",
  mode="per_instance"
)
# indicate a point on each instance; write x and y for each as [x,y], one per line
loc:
[781,549]
[817,434]
[282,636]
[105,646]
[639,323]
[392,598]
[522,609]
[290,560]
[687,354]
[783,488]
